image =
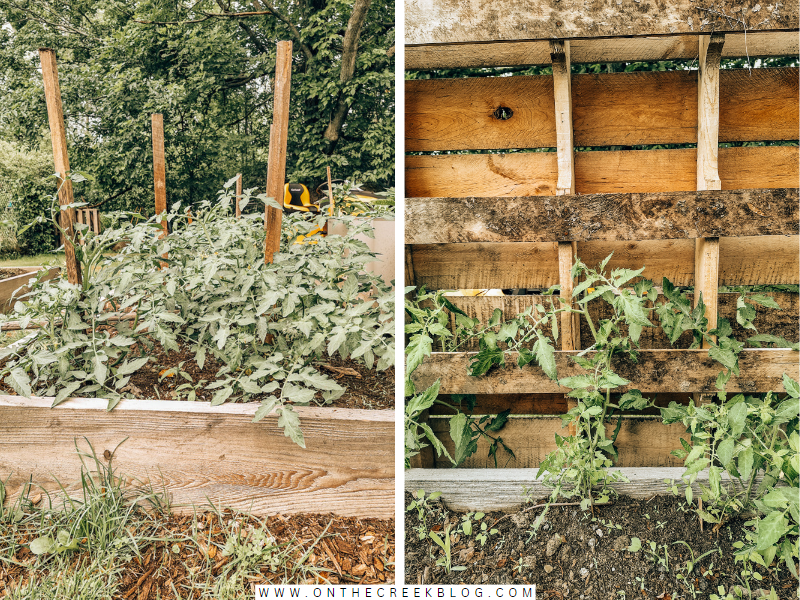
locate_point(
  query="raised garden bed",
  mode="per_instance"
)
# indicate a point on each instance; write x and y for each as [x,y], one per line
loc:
[12,279]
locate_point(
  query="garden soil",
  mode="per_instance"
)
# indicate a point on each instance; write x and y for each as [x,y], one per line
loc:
[576,555]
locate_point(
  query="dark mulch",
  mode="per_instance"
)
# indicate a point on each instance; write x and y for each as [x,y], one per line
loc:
[9,272]
[577,556]
[352,551]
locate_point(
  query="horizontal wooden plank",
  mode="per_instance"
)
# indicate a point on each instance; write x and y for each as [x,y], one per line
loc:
[530,53]
[456,21]
[602,172]
[198,453]
[653,216]
[782,322]
[502,489]
[643,441]
[743,261]
[14,287]
[646,107]
[460,114]
[761,370]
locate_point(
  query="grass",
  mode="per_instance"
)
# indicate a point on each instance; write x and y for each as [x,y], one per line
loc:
[115,541]
[34,261]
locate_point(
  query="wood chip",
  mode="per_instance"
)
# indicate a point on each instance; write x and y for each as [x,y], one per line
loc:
[342,371]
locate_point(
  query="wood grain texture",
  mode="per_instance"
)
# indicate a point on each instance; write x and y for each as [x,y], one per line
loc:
[647,107]
[13,288]
[277,149]
[528,53]
[671,215]
[238,194]
[201,453]
[58,137]
[600,172]
[562,87]
[456,21]
[570,328]
[643,441]
[743,261]
[758,104]
[657,371]
[460,114]
[502,489]
[782,322]
[706,278]
[708,111]
[159,167]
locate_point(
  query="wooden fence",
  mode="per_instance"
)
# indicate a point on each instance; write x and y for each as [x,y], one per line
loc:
[702,215]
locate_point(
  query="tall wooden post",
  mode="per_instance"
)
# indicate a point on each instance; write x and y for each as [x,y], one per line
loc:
[706,253]
[238,194]
[159,168]
[58,136]
[279,134]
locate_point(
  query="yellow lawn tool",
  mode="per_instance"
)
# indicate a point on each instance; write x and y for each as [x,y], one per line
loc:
[355,199]
[297,198]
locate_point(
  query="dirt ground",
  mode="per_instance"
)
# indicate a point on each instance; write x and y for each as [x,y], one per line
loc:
[575,555]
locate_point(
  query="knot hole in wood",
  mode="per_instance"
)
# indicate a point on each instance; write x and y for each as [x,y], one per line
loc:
[503,113]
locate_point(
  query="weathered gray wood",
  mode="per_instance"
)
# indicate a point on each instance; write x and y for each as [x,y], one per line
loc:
[669,215]
[18,284]
[502,489]
[199,453]
[529,53]
[454,21]
[761,370]
[743,261]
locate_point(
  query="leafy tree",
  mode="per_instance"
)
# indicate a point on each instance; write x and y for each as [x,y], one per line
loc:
[207,66]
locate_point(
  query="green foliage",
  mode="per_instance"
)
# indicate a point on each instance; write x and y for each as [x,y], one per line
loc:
[266,324]
[213,82]
[421,504]
[741,439]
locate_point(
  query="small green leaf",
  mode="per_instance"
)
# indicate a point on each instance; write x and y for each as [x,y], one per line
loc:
[636,545]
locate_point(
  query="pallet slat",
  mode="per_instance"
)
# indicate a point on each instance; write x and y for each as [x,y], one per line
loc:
[198,452]
[530,53]
[761,370]
[600,172]
[743,261]
[671,215]
[502,489]
[455,21]
[608,109]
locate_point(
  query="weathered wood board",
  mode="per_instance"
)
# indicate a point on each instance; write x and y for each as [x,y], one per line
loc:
[597,172]
[636,108]
[761,370]
[605,50]
[455,21]
[643,441]
[200,453]
[9,286]
[743,261]
[502,489]
[668,215]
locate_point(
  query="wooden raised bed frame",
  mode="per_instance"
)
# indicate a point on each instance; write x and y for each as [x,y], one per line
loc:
[198,454]
[704,217]
[10,285]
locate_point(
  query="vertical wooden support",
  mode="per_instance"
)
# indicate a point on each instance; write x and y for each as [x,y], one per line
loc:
[238,194]
[58,136]
[409,262]
[279,135]
[159,168]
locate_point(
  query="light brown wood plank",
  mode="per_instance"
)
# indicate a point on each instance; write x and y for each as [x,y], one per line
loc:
[462,114]
[562,77]
[669,215]
[502,489]
[657,371]
[237,210]
[708,111]
[743,261]
[9,286]
[782,322]
[58,137]
[279,135]
[758,104]
[643,441]
[159,168]
[524,53]
[454,21]
[601,172]
[198,451]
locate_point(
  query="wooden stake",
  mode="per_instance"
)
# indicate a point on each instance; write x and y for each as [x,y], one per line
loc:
[279,134]
[330,192]
[159,168]
[58,136]
[238,194]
